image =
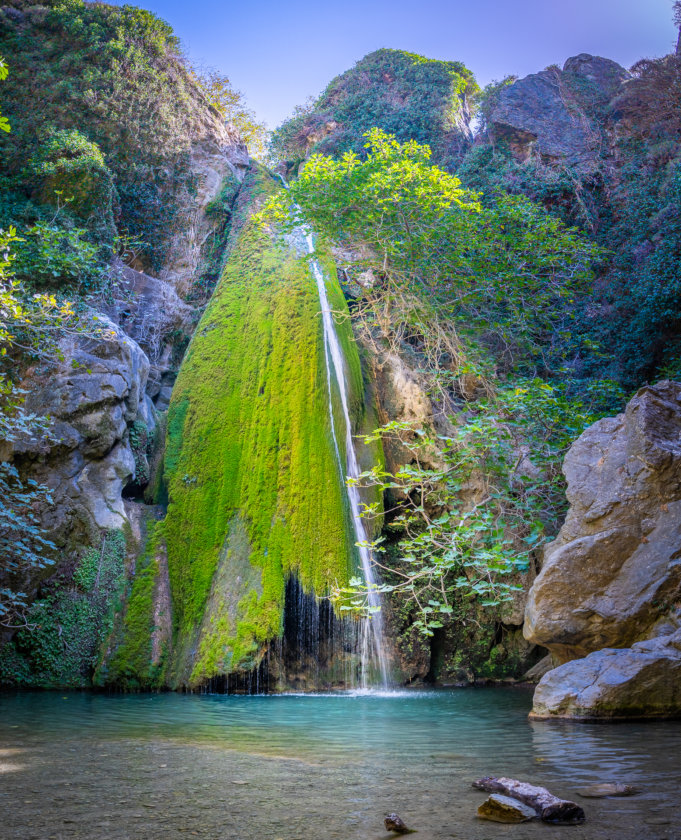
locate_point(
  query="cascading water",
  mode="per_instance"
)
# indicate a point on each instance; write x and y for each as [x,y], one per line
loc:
[371,642]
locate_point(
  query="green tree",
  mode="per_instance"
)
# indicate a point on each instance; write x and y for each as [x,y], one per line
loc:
[233,109]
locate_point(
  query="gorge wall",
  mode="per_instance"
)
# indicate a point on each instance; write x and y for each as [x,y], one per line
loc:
[198,503]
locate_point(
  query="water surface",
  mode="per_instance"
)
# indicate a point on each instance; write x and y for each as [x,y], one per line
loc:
[78,765]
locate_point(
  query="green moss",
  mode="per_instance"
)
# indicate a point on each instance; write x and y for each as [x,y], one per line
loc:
[68,625]
[133,664]
[249,441]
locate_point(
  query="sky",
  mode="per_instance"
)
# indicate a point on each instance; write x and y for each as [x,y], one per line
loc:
[279,53]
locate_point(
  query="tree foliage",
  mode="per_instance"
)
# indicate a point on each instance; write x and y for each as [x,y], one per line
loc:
[233,109]
[507,272]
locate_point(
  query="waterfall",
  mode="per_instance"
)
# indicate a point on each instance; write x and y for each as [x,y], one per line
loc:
[371,642]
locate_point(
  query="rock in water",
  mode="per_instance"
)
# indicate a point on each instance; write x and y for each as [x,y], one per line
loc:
[641,681]
[549,807]
[505,809]
[607,789]
[393,822]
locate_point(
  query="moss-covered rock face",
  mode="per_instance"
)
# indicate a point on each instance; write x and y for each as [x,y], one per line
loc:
[254,484]
[412,97]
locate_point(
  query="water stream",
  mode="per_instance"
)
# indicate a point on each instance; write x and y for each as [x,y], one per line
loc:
[372,648]
[371,644]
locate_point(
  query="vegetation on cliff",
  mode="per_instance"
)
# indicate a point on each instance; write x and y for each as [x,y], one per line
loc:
[114,113]
[404,94]
[480,291]
[66,627]
[623,193]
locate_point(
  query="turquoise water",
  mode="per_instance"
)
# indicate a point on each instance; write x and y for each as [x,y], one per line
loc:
[78,765]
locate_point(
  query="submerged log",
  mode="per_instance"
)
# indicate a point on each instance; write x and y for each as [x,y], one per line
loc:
[549,807]
[608,789]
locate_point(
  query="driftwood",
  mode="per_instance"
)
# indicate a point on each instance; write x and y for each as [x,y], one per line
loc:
[549,807]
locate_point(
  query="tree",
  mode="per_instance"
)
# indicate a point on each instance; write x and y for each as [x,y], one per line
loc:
[677,21]
[503,277]
[232,106]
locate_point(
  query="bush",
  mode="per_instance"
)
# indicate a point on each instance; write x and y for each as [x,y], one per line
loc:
[59,258]
[69,169]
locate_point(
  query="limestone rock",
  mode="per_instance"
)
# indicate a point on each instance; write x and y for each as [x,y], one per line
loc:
[543,112]
[211,161]
[544,803]
[641,681]
[504,809]
[92,398]
[151,312]
[393,822]
[613,575]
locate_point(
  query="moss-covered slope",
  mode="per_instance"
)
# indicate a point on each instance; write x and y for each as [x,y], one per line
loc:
[254,485]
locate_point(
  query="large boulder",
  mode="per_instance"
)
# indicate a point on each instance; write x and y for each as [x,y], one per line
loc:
[641,681]
[549,113]
[613,575]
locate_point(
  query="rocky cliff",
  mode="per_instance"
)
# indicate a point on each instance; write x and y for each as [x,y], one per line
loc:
[153,159]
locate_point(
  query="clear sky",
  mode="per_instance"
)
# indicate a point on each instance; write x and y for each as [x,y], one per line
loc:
[278,52]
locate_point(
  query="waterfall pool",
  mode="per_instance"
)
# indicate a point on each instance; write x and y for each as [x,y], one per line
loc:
[81,765]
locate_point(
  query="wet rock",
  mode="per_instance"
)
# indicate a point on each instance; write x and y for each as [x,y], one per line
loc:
[604,789]
[505,809]
[613,575]
[641,681]
[549,807]
[393,822]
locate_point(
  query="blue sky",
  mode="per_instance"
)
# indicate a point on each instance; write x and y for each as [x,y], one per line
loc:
[278,53]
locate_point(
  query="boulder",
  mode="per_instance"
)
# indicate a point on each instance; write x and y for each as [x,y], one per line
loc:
[547,112]
[641,681]
[504,809]
[612,577]
[393,822]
